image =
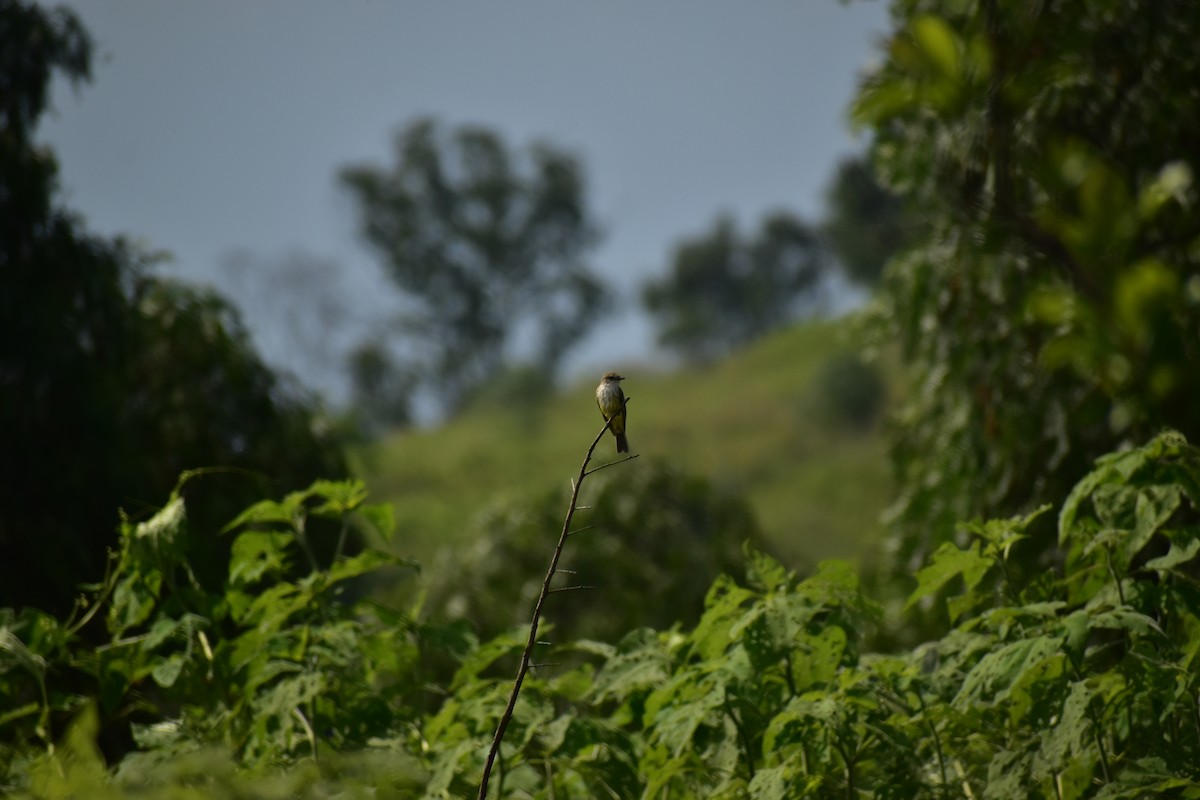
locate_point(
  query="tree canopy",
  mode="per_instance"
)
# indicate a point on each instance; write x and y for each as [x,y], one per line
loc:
[865,224]
[482,240]
[112,381]
[1049,306]
[724,289]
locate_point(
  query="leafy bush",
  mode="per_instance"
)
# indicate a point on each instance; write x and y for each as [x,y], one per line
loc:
[1079,683]
[1082,684]
[851,391]
[1048,304]
[650,543]
[264,670]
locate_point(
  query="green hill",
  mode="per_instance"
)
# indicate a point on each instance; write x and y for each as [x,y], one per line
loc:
[759,424]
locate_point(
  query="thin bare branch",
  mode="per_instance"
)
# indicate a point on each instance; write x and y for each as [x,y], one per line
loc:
[527,654]
[612,464]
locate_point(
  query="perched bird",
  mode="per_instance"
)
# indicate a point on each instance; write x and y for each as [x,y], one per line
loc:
[611,400]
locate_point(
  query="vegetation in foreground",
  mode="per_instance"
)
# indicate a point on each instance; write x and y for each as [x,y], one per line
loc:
[1080,683]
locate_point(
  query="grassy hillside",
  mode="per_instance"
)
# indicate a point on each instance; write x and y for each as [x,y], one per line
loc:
[756,424]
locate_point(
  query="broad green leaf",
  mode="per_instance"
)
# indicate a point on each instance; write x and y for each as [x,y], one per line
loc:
[364,562]
[763,572]
[336,497]
[257,554]
[167,671]
[939,44]
[1070,738]
[133,600]
[818,657]
[723,608]
[1124,618]
[382,516]
[266,512]
[999,669]
[1180,553]
[674,711]
[950,562]
[881,100]
[639,665]
[510,642]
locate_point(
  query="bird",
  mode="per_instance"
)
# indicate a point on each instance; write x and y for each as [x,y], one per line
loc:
[611,401]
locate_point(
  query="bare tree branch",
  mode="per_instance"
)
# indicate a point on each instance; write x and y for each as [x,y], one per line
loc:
[527,653]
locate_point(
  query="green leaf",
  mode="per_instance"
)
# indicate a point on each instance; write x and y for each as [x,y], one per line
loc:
[640,664]
[257,554]
[512,641]
[382,516]
[818,658]
[687,701]
[338,497]
[364,562]
[882,100]
[1003,667]
[133,600]
[166,672]
[267,512]
[950,562]
[939,43]
[763,572]
[724,606]
[1126,619]
[1180,553]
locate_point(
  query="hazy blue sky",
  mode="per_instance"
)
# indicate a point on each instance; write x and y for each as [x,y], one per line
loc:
[217,127]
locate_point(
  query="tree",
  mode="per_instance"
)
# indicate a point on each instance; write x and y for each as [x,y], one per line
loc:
[661,538]
[866,224]
[724,291]
[1049,311]
[482,241]
[112,381]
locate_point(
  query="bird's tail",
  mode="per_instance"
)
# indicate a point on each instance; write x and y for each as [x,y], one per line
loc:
[622,443]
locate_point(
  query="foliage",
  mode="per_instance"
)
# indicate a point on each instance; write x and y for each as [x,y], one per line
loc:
[1049,309]
[865,223]
[651,539]
[271,669]
[481,240]
[112,381]
[852,391]
[724,290]
[381,388]
[1079,683]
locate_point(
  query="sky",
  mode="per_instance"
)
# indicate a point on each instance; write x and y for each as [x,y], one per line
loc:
[215,130]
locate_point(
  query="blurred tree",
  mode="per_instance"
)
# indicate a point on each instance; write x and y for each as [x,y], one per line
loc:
[301,311]
[850,391]
[724,291]
[866,224]
[382,390]
[1050,311]
[112,381]
[482,246]
[656,540]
